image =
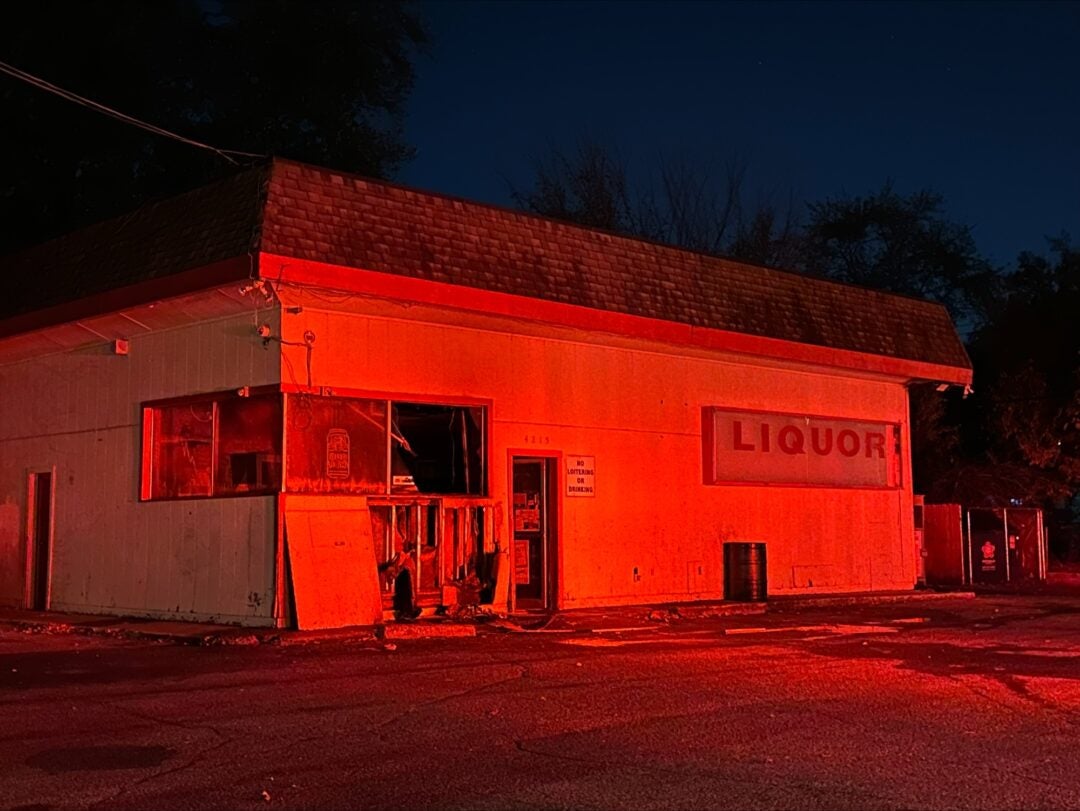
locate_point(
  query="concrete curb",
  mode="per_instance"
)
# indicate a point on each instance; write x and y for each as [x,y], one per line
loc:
[614,620]
[723,610]
[799,602]
[240,637]
[419,630]
[117,630]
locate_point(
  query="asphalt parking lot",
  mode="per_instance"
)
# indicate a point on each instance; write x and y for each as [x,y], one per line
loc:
[939,704]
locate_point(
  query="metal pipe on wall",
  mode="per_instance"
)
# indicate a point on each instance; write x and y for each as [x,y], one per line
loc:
[970,569]
[1005,529]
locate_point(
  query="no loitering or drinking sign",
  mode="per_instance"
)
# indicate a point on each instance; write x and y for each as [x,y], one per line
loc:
[581,475]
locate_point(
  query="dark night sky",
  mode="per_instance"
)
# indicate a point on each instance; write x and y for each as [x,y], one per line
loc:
[978,101]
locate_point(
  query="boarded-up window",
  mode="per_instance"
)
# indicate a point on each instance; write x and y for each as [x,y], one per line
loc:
[222,445]
[336,445]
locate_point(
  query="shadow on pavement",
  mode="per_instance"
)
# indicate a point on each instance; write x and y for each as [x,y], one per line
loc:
[99,758]
[61,668]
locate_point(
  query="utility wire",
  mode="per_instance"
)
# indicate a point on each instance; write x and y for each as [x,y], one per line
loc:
[48,87]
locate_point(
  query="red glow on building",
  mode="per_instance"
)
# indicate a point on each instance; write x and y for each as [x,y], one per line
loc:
[417,402]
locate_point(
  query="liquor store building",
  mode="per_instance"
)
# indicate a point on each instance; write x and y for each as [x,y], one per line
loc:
[277,399]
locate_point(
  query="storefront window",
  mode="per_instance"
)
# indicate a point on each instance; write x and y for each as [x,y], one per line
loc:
[228,445]
[182,456]
[336,445]
[222,446]
[248,446]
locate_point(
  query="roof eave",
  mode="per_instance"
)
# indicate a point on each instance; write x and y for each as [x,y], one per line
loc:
[291,270]
[175,284]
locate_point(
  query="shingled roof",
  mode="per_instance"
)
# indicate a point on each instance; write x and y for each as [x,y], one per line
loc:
[301,211]
[211,224]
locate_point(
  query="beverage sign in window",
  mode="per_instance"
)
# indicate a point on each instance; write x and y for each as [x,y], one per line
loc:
[336,445]
[337,453]
[776,448]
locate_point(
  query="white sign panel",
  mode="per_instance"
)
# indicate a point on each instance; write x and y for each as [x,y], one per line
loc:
[581,475]
[774,448]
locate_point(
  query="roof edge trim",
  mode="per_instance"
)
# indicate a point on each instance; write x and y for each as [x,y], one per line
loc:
[291,270]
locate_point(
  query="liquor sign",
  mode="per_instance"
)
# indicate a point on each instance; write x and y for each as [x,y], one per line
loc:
[776,448]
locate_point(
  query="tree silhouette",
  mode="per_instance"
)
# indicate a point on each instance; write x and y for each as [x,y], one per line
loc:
[1027,406]
[903,244]
[322,82]
[685,202]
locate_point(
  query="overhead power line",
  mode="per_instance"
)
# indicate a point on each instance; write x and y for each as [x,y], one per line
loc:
[48,87]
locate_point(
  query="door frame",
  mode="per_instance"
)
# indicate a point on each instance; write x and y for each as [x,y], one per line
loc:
[552,525]
[32,540]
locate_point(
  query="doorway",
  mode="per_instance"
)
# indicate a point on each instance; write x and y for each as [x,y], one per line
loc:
[535,543]
[39,540]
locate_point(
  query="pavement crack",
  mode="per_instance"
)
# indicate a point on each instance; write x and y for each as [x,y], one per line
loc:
[1069,790]
[479,689]
[153,719]
[131,787]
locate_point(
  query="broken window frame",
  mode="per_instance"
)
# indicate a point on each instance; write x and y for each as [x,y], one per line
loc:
[472,459]
[151,489]
[464,531]
[394,439]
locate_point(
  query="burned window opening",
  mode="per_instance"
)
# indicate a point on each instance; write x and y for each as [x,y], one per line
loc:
[436,554]
[437,449]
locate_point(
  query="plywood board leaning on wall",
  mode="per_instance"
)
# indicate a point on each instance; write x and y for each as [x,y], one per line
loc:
[335,581]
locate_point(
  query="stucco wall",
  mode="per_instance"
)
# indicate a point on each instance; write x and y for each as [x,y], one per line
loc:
[638,411]
[80,412]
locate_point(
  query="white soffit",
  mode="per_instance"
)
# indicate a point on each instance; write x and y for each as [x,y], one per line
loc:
[129,323]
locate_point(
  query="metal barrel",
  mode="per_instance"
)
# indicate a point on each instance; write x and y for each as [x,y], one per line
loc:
[744,572]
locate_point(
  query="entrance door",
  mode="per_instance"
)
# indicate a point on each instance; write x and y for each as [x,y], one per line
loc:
[39,541]
[534,534]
